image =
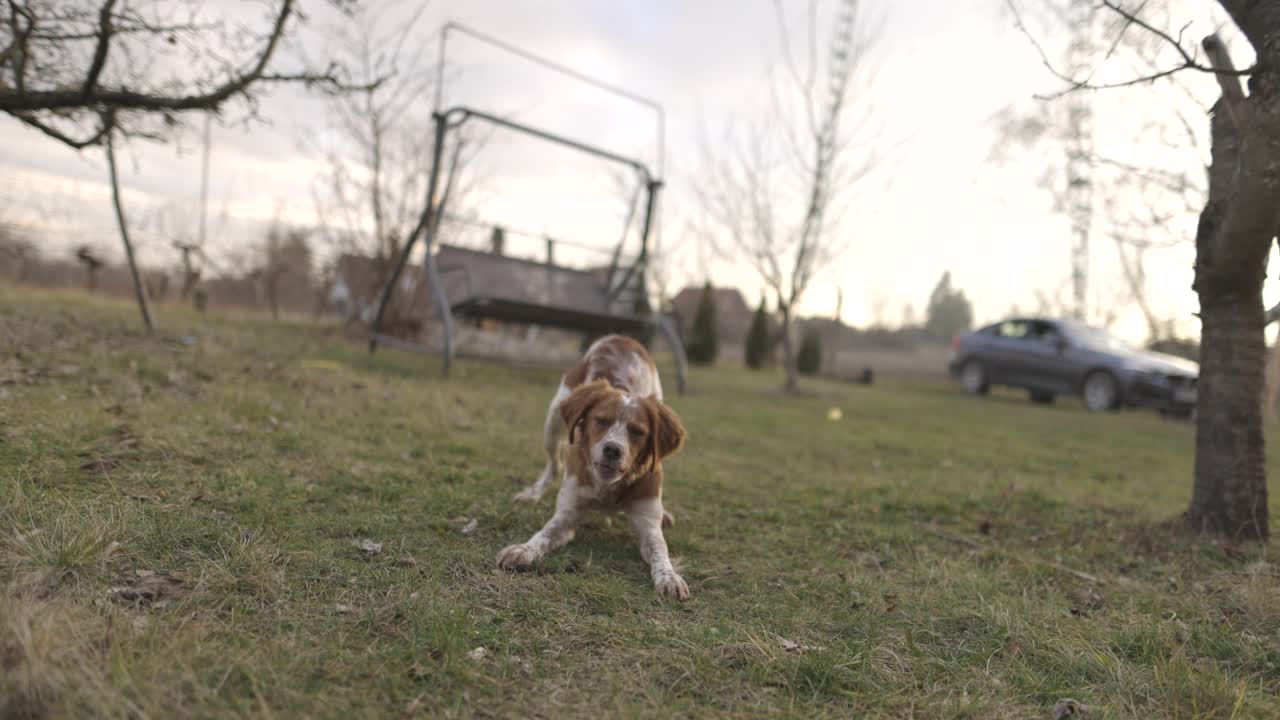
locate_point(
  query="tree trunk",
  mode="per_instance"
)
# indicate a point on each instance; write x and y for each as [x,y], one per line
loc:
[1230,493]
[139,290]
[1232,241]
[789,352]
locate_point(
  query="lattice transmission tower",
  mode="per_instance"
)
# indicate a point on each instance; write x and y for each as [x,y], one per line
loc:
[1081,14]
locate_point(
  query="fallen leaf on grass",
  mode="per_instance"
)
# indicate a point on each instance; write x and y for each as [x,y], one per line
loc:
[1085,599]
[479,653]
[1230,550]
[139,497]
[342,608]
[101,464]
[149,588]
[470,527]
[797,648]
[419,671]
[1068,708]
[111,453]
[368,547]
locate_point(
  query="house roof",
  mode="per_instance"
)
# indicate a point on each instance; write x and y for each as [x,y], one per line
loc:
[727,299]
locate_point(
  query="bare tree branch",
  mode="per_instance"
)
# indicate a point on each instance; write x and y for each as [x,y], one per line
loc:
[99,54]
[1131,18]
[42,58]
[1228,81]
[62,137]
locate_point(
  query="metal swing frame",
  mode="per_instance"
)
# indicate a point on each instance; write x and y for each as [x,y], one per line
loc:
[453,118]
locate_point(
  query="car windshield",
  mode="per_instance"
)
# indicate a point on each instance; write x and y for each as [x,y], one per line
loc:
[1095,338]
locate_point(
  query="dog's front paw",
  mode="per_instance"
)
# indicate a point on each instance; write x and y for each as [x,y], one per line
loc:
[671,585]
[517,557]
[527,495]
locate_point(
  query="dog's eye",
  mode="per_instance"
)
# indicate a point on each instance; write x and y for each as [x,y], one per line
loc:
[636,432]
[603,423]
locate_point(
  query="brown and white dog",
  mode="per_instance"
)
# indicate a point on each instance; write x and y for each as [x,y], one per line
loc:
[609,421]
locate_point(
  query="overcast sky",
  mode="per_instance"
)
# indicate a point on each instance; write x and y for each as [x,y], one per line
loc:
[944,68]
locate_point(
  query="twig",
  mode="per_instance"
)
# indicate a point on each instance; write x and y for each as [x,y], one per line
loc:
[951,537]
[974,544]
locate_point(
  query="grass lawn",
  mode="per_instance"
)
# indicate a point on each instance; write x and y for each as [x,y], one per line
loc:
[237,517]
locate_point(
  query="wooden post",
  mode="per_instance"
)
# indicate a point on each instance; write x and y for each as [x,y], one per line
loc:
[498,241]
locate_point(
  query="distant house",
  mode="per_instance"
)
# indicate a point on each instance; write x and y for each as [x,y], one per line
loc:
[356,289]
[733,316]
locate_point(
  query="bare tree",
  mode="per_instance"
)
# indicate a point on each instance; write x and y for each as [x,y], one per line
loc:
[370,199]
[1237,227]
[772,190]
[176,225]
[282,272]
[377,169]
[89,72]
[1144,192]
[16,251]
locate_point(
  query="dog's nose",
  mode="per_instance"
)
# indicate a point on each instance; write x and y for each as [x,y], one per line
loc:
[612,452]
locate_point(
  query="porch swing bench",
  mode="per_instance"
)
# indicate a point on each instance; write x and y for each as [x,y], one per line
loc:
[488,285]
[484,286]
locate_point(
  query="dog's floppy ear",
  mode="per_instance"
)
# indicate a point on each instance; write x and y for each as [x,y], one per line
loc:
[668,435]
[575,407]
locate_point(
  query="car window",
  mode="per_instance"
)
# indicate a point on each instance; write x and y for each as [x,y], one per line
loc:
[1013,330]
[1097,338]
[1044,332]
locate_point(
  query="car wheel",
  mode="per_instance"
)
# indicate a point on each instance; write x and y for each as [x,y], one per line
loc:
[974,378]
[1040,397]
[1101,392]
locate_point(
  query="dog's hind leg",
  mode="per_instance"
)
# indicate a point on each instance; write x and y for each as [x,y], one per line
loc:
[554,435]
